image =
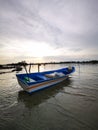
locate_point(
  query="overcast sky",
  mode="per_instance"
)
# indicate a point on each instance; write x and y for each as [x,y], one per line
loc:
[49,30]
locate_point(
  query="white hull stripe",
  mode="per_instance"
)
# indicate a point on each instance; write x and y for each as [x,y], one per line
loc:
[45,84]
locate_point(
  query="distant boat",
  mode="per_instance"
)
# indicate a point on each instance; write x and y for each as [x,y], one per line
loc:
[32,82]
[17,68]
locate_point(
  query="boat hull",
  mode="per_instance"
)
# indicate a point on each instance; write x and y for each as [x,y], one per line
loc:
[41,86]
[44,85]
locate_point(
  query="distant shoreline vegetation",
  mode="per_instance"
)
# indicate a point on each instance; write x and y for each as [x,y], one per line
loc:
[17,66]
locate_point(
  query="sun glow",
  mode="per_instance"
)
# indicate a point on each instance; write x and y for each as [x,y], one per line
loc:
[39,50]
[30,49]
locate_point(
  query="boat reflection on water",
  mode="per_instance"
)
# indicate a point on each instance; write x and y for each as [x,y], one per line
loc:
[31,100]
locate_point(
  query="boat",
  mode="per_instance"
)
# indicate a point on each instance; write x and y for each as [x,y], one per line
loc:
[32,82]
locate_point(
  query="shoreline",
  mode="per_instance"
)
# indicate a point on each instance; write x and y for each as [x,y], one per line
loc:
[23,63]
[19,66]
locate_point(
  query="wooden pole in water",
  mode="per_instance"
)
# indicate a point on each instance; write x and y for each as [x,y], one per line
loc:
[30,68]
[39,67]
[26,72]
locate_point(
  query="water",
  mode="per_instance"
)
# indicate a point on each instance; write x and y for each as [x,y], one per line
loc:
[71,105]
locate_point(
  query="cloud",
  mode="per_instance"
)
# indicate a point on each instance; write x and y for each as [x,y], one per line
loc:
[70,27]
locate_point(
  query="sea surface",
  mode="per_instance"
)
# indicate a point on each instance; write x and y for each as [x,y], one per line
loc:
[70,105]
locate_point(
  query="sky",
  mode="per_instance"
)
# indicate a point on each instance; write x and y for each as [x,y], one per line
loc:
[48,30]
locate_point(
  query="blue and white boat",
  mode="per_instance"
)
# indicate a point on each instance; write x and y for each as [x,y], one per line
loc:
[32,82]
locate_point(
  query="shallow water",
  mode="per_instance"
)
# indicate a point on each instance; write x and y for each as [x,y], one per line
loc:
[70,105]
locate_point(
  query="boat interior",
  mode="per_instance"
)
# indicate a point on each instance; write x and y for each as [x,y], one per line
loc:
[32,78]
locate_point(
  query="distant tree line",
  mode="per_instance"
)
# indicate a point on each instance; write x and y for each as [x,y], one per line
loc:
[24,63]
